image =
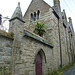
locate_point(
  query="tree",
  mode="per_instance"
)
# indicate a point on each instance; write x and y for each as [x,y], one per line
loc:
[39,29]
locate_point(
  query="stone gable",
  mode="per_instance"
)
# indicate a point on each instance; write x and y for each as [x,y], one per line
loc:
[41,5]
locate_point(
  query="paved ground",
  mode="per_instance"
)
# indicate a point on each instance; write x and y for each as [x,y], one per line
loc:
[71,71]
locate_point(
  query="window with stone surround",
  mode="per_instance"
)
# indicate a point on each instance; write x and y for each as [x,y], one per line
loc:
[32,18]
[35,16]
[38,14]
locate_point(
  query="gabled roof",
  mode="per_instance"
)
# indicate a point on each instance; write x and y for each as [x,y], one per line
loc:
[34,6]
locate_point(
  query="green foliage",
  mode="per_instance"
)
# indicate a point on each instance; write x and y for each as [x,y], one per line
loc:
[60,70]
[4,71]
[50,43]
[54,72]
[39,29]
[4,33]
[43,40]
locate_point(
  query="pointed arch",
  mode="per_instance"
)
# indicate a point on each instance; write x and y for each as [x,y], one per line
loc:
[31,17]
[38,14]
[34,16]
[42,54]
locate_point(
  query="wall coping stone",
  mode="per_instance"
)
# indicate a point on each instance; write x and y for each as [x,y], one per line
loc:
[6,36]
[36,37]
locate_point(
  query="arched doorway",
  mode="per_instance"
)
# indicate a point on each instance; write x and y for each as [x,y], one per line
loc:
[38,64]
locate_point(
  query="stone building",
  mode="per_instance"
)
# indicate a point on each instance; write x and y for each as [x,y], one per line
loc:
[27,53]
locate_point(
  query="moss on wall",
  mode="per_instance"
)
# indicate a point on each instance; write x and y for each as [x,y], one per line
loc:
[4,33]
[4,71]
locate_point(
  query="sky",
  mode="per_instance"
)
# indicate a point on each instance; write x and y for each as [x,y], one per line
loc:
[7,8]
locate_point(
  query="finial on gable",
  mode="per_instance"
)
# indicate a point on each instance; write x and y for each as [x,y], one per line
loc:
[16,18]
[64,13]
[18,4]
[63,10]
[70,20]
[17,13]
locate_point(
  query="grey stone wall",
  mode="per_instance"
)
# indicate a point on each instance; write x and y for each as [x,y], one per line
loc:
[29,49]
[25,46]
[5,50]
[55,39]
[52,34]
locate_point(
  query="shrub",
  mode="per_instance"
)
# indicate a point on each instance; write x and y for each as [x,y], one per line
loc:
[4,71]
[39,29]
[60,70]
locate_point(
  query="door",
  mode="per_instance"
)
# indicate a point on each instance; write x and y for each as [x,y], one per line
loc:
[38,65]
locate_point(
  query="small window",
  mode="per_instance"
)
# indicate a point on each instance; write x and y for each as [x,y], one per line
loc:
[38,14]
[34,16]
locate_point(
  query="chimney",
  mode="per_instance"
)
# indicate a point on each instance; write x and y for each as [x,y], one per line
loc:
[0,19]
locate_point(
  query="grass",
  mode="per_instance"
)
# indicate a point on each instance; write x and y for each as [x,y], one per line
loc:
[61,70]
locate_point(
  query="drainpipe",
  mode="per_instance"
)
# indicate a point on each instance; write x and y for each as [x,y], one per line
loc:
[60,43]
[59,35]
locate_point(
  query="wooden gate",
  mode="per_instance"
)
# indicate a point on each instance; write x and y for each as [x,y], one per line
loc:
[38,65]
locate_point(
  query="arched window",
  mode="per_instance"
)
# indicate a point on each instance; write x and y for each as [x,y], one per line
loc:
[34,16]
[38,14]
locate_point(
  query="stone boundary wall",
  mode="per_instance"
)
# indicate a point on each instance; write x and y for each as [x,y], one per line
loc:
[5,51]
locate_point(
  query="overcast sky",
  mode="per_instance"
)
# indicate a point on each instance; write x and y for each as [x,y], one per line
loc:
[7,7]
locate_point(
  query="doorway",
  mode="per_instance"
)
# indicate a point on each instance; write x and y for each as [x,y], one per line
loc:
[38,64]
